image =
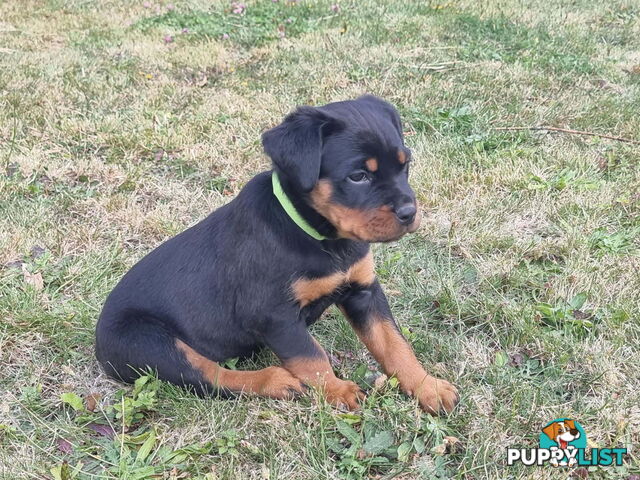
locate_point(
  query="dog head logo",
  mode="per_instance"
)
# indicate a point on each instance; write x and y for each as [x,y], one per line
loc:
[563,435]
[563,432]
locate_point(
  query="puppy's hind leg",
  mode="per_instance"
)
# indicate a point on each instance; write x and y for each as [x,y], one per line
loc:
[140,344]
[274,382]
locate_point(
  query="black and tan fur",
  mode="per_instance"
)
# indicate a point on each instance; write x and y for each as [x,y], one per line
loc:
[248,277]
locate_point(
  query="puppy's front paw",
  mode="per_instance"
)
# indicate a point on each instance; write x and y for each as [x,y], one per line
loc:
[436,396]
[277,382]
[344,394]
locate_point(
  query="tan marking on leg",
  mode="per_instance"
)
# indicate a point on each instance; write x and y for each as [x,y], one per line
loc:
[402,157]
[317,372]
[362,272]
[393,352]
[306,290]
[372,164]
[374,225]
[396,356]
[275,382]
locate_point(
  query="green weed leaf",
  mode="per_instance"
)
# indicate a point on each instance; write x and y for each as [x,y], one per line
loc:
[146,447]
[501,359]
[189,451]
[577,302]
[379,442]
[404,450]
[142,473]
[350,418]
[73,400]
[348,432]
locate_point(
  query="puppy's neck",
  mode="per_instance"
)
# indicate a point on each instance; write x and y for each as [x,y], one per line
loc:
[301,202]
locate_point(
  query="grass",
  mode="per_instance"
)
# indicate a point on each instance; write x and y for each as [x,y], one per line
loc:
[122,123]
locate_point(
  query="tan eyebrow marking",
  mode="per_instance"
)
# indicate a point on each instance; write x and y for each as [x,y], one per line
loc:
[372,164]
[402,157]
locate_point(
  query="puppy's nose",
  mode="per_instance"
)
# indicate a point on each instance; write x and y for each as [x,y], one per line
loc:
[406,213]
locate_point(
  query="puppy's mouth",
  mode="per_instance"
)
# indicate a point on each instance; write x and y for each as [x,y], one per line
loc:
[371,225]
[378,226]
[415,225]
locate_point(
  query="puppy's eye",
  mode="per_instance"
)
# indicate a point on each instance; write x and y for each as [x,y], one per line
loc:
[359,176]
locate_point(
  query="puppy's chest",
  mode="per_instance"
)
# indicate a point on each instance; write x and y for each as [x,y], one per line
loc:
[308,290]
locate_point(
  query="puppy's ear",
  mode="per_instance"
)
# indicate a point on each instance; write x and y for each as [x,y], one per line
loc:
[386,109]
[551,431]
[295,146]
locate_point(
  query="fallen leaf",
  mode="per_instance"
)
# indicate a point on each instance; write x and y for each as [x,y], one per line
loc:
[580,315]
[449,445]
[91,401]
[102,430]
[580,473]
[37,251]
[516,360]
[33,279]
[14,264]
[452,444]
[439,449]
[64,446]
[379,382]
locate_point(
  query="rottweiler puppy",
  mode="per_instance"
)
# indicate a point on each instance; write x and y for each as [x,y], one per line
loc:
[260,270]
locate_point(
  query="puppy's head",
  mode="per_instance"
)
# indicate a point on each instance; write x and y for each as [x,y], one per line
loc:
[565,429]
[348,161]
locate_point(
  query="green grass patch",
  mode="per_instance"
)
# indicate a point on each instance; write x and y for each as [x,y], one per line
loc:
[247,26]
[123,123]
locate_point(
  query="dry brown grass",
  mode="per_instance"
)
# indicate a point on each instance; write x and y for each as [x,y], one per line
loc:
[112,140]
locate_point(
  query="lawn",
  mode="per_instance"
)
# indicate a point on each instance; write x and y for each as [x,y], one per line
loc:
[122,123]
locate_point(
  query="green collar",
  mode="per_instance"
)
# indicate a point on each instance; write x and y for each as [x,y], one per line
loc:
[291,210]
